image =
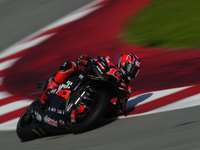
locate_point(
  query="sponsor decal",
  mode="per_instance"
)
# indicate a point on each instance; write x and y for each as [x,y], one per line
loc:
[59,111]
[53,91]
[123,84]
[65,63]
[38,117]
[103,63]
[99,69]
[62,112]
[50,121]
[137,64]
[65,86]
[53,109]
[62,122]
[81,76]
[79,98]
[114,72]
[102,67]
[121,88]
[107,60]
[69,106]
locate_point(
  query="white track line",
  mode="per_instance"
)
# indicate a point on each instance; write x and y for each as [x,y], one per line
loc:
[70,18]
[9,125]
[7,64]
[18,48]
[151,96]
[191,101]
[65,19]
[14,106]
[4,94]
[184,103]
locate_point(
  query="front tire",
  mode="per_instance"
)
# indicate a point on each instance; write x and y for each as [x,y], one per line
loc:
[25,126]
[102,100]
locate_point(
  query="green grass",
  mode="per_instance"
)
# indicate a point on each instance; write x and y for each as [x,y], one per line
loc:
[167,23]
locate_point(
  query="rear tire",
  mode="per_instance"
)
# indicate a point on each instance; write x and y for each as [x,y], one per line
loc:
[102,101]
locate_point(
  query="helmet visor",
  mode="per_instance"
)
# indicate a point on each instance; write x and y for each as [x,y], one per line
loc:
[132,70]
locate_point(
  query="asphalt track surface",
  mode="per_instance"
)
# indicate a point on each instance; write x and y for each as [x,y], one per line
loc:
[175,130]
[167,131]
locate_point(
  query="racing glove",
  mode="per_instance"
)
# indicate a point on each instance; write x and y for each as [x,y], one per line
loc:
[83,60]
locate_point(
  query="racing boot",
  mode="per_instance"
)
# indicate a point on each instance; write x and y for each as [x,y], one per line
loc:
[111,112]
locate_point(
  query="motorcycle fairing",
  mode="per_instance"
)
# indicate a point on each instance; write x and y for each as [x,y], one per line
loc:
[55,117]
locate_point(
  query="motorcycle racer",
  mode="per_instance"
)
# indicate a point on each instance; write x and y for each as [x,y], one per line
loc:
[128,64]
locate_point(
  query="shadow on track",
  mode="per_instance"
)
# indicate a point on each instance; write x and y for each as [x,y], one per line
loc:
[101,123]
[132,103]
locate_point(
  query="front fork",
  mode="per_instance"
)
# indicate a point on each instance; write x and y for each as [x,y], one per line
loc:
[37,114]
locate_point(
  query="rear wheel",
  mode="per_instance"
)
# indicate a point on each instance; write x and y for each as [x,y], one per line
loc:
[98,107]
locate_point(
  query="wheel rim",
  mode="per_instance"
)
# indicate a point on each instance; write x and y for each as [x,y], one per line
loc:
[89,107]
[26,119]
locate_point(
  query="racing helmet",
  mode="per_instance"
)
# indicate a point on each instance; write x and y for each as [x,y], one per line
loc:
[129,64]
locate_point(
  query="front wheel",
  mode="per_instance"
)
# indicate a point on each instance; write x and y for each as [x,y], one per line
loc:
[25,127]
[100,102]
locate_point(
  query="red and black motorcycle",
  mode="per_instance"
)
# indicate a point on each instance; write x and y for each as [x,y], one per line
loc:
[94,87]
